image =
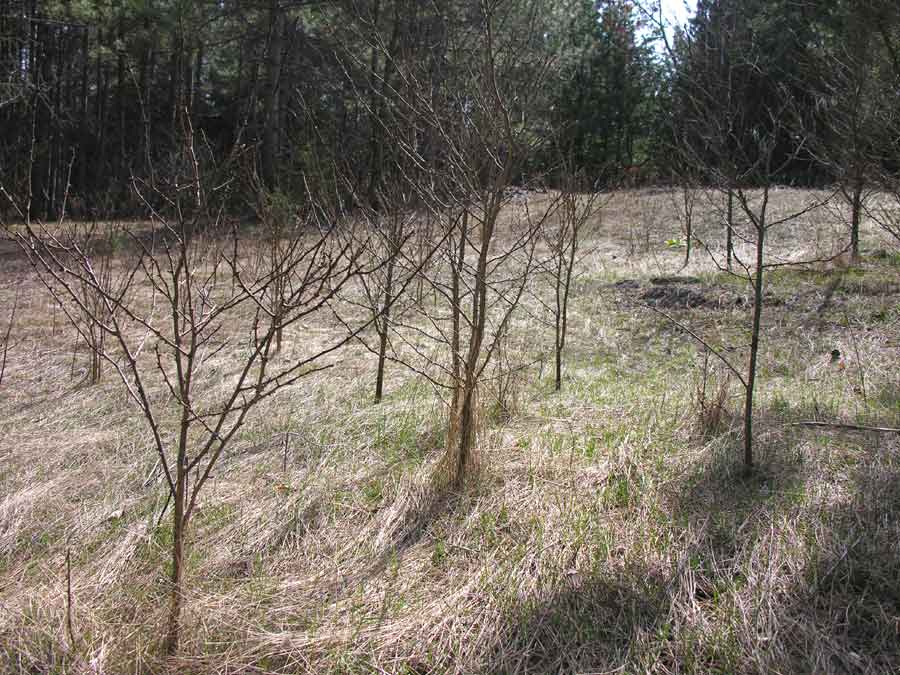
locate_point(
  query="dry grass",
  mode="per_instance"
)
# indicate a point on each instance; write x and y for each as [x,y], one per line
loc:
[604,532]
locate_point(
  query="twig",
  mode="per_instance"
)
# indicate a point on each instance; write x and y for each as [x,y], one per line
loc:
[154,472]
[849,427]
[703,342]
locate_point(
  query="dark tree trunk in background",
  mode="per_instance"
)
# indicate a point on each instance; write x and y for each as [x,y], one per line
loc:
[197,107]
[83,128]
[269,158]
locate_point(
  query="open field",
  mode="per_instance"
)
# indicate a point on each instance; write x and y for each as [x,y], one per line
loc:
[610,528]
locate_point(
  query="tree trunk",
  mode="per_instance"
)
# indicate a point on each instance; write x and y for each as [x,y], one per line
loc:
[688,224]
[121,113]
[560,319]
[197,106]
[176,600]
[83,128]
[384,326]
[465,435]
[455,338]
[382,357]
[270,103]
[855,218]
[729,225]
[558,385]
[754,348]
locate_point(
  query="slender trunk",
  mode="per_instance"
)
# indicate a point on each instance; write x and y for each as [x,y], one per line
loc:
[729,225]
[754,347]
[558,385]
[383,327]
[121,114]
[459,433]
[855,218]
[186,351]
[688,225]
[560,318]
[455,340]
[176,599]
[382,357]
[466,434]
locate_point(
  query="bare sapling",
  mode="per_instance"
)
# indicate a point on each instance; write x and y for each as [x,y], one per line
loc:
[576,217]
[99,241]
[388,229]
[208,294]
[729,230]
[752,161]
[474,133]
[275,239]
[688,197]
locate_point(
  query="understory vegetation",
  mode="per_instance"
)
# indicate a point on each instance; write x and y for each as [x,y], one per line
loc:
[609,526]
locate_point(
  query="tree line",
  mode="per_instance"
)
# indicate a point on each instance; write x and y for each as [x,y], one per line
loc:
[92,91]
[99,86]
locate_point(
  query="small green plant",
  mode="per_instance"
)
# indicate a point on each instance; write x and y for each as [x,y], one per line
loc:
[373,492]
[439,554]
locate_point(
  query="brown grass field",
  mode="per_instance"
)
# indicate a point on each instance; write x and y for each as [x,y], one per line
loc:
[610,528]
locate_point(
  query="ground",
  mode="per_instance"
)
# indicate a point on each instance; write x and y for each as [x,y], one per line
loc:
[610,528]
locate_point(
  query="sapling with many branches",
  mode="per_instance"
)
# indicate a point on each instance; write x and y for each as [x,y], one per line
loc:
[207,294]
[463,142]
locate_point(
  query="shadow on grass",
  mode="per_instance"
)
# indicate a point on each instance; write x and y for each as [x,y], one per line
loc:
[590,626]
[850,609]
[831,520]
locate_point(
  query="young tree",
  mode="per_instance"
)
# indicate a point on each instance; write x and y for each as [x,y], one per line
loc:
[573,217]
[743,144]
[208,292]
[464,130]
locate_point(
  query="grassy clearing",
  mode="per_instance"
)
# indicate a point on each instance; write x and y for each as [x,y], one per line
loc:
[607,530]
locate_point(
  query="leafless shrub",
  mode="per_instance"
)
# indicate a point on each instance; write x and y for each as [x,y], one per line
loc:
[507,379]
[99,242]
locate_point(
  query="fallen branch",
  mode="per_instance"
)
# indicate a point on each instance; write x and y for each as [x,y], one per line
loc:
[849,427]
